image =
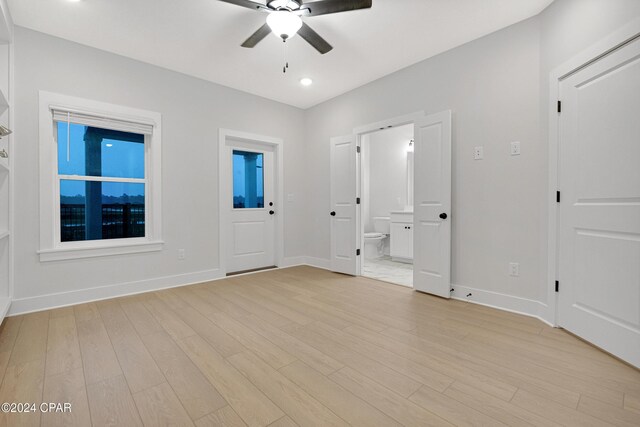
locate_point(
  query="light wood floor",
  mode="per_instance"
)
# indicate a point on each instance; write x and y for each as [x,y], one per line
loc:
[303,346]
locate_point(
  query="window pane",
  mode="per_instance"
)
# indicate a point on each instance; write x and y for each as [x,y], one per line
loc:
[99,152]
[91,210]
[248,180]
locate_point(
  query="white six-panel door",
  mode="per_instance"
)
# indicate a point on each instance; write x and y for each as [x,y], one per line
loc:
[432,205]
[344,236]
[599,223]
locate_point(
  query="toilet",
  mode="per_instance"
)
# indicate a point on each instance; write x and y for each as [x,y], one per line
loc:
[374,241]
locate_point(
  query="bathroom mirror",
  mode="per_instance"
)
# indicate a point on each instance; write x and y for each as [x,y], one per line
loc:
[410,179]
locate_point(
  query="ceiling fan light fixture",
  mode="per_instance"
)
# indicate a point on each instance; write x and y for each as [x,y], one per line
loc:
[284,24]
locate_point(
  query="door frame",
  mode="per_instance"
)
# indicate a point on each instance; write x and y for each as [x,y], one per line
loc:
[592,54]
[359,132]
[224,179]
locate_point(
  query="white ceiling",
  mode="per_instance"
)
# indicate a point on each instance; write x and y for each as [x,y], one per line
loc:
[202,38]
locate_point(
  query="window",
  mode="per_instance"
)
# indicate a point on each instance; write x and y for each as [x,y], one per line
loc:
[92,205]
[104,197]
[248,180]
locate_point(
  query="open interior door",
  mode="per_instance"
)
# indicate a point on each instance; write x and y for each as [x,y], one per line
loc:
[432,205]
[343,205]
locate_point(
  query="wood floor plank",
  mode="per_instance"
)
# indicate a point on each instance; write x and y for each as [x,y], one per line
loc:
[402,410]
[111,403]
[256,308]
[31,342]
[139,368]
[384,375]
[159,406]
[223,417]
[98,357]
[293,400]
[9,332]
[63,347]
[309,355]
[195,392]
[22,383]
[66,387]
[167,318]
[268,351]
[459,371]
[490,362]
[555,412]
[459,415]
[249,403]
[632,402]
[284,422]
[224,343]
[141,319]
[608,413]
[342,402]
[494,407]
[421,373]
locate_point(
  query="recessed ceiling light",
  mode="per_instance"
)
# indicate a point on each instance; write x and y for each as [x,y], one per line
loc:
[109,145]
[306,81]
[74,1]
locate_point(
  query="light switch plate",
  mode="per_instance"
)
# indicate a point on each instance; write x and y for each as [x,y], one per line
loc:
[515,148]
[478,153]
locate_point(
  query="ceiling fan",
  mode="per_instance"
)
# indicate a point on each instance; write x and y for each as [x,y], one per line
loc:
[284,18]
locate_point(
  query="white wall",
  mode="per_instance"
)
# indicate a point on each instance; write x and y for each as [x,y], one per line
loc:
[385,172]
[497,87]
[192,112]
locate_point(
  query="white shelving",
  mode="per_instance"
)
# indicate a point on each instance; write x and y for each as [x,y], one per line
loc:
[6,176]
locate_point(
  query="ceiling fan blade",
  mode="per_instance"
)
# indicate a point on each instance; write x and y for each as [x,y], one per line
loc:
[257,37]
[314,39]
[255,5]
[323,7]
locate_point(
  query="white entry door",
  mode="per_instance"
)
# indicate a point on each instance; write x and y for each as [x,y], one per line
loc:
[599,231]
[343,205]
[251,206]
[432,205]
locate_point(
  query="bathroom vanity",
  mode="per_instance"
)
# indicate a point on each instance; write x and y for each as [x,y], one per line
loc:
[402,236]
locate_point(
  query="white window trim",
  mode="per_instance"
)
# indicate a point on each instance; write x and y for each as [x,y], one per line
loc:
[51,249]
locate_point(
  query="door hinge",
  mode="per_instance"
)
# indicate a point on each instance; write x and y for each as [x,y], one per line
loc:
[357,252]
[559,106]
[557,197]
[357,200]
[557,286]
[358,149]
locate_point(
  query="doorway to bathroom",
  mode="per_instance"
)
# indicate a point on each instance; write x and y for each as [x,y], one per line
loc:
[386,164]
[424,233]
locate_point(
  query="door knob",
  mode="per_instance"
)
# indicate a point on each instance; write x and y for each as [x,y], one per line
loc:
[271,212]
[333,213]
[443,215]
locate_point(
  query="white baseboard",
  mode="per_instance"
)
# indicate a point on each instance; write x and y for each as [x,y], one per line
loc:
[63,299]
[323,263]
[293,261]
[501,301]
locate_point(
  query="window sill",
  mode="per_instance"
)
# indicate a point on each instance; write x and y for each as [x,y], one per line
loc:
[47,255]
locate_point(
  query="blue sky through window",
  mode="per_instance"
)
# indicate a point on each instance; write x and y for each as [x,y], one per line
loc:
[119,158]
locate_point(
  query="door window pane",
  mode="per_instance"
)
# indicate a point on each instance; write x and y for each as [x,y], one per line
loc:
[248,180]
[93,210]
[99,152]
